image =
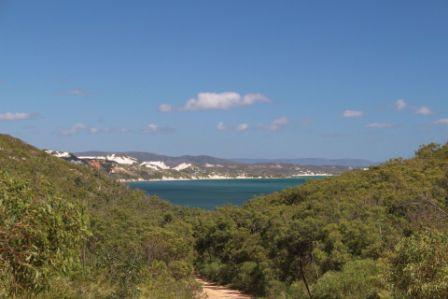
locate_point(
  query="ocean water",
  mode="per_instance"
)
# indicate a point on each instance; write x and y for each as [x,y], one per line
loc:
[209,194]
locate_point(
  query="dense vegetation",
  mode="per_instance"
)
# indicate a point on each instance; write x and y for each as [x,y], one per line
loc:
[67,231]
[364,234]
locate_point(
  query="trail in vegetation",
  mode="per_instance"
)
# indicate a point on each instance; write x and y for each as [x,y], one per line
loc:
[213,291]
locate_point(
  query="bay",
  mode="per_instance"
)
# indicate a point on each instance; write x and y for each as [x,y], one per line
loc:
[210,194]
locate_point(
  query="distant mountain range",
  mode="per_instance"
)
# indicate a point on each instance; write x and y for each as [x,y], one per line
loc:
[169,160]
[135,166]
[202,159]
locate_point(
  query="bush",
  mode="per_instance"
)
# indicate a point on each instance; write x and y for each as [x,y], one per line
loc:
[419,266]
[40,236]
[358,279]
[212,270]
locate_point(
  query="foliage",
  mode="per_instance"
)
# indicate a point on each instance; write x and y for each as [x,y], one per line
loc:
[357,279]
[39,235]
[67,231]
[310,240]
[419,266]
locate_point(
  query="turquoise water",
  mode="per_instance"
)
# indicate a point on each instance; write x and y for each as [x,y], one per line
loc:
[209,194]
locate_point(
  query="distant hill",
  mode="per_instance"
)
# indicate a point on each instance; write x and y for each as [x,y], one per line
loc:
[354,163]
[131,166]
[204,159]
[169,160]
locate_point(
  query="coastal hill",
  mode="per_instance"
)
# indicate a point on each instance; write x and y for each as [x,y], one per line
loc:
[134,166]
[377,233]
[69,231]
[205,159]
[169,160]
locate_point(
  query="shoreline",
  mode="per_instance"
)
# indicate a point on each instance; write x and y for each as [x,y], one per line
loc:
[169,179]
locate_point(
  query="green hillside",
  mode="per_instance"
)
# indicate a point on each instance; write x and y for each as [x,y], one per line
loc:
[67,231]
[364,234]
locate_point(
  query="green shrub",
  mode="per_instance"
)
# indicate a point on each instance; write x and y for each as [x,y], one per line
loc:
[40,235]
[419,266]
[357,279]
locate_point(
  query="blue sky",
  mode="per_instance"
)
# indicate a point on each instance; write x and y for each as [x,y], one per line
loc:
[246,79]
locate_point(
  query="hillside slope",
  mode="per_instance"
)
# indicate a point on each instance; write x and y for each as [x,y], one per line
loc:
[68,231]
[363,234]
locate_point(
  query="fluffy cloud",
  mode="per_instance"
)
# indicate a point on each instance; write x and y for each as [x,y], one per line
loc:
[423,110]
[8,116]
[352,113]
[443,121]
[165,108]
[223,101]
[276,124]
[242,127]
[400,104]
[379,125]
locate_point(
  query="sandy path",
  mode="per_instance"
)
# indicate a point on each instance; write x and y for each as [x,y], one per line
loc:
[213,291]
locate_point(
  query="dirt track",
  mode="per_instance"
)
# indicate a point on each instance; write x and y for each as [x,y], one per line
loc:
[213,291]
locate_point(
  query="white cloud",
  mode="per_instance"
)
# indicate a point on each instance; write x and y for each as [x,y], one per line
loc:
[223,101]
[443,121]
[153,128]
[253,98]
[77,92]
[242,127]
[352,113]
[400,104]
[239,128]
[379,125]
[221,126]
[276,124]
[76,128]
[8,116]
[423,110]
[165,108]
